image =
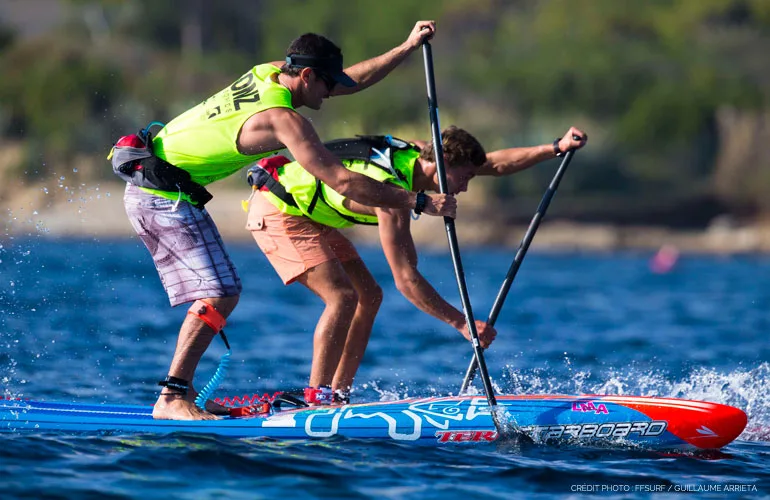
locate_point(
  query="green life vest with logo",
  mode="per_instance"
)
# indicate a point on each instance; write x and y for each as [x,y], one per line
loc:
[203,140]
[382,158]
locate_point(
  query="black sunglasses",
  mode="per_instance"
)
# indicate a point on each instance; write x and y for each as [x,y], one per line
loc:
[328,79]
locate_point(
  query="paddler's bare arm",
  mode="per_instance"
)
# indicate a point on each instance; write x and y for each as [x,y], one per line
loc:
[367,73]
[399,249]
[512,160]
[278,127]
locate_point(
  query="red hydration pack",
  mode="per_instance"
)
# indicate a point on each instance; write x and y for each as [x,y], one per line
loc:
[259,175]
[134,162]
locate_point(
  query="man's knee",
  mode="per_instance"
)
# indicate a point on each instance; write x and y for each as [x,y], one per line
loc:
[371,299]
[344,298]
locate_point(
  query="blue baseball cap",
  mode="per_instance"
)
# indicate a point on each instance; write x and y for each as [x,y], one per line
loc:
[331,66]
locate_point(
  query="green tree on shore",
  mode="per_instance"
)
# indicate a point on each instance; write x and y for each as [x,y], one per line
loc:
[673,91]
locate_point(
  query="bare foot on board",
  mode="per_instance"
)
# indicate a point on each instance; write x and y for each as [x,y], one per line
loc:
[172,407]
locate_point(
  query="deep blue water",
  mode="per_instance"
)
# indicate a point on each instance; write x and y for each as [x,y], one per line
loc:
[89,321]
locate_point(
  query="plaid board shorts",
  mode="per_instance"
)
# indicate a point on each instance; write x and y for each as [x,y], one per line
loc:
[185,245]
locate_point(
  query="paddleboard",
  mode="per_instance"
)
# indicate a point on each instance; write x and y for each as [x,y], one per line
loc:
[645,422]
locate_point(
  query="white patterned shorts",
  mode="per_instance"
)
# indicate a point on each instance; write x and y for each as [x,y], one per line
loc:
[185,245]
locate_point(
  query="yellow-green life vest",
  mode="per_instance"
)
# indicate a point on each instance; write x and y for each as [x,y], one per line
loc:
[203,140]
[319,202]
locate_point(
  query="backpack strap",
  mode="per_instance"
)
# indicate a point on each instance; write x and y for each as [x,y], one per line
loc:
[278,190]
[319,194]
[260,175]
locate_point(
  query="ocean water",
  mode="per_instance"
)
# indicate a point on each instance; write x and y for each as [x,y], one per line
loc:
[87,320]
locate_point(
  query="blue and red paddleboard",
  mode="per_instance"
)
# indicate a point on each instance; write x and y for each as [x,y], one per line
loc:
[645,422]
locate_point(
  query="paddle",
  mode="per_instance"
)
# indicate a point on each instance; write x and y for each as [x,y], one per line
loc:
[449,224]
[520,253]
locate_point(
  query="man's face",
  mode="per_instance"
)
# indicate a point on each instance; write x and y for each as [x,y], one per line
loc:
[458,176]
[318,86]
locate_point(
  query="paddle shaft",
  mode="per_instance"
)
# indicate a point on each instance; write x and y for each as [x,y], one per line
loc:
[519,258]
[449,224]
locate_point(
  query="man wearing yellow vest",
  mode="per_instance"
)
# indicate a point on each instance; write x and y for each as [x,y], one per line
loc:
[250,119]
[294,220]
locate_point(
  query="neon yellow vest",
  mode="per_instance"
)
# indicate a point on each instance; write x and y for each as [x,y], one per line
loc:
[203,139]
[329,208]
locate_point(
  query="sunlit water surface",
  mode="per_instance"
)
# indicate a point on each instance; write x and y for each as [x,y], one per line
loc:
[89,321]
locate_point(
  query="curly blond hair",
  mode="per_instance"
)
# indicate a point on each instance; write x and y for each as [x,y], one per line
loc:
[460,148]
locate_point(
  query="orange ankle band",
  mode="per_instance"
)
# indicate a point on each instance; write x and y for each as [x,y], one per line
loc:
[208,314]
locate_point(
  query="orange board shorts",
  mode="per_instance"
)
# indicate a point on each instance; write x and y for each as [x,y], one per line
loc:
[292,244]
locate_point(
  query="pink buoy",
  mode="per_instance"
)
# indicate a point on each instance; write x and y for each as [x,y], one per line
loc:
[664,259]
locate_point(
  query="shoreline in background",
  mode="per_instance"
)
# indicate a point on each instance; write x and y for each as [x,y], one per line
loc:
[99,213]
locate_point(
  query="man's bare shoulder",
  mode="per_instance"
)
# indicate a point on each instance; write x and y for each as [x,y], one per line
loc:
[277,120]
[269,116]
[268,130]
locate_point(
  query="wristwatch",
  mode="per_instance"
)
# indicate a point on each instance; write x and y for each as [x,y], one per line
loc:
[556,149]
[419,204]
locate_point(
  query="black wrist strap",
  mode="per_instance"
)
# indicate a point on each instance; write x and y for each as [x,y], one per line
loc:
[556,149]
[419,204]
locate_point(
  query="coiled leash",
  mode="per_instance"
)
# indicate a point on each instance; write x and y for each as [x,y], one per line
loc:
[214,319]
[209,315]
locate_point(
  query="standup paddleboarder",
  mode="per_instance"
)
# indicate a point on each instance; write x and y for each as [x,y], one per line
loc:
[250,119]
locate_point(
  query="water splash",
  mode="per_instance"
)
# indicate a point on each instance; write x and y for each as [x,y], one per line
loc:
[386,394]
[744,388]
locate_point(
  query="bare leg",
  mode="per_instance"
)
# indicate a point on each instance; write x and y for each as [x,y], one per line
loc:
[194,338]
[330,282]
[369,300]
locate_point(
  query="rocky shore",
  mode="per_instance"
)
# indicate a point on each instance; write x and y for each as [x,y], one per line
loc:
[98,212]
